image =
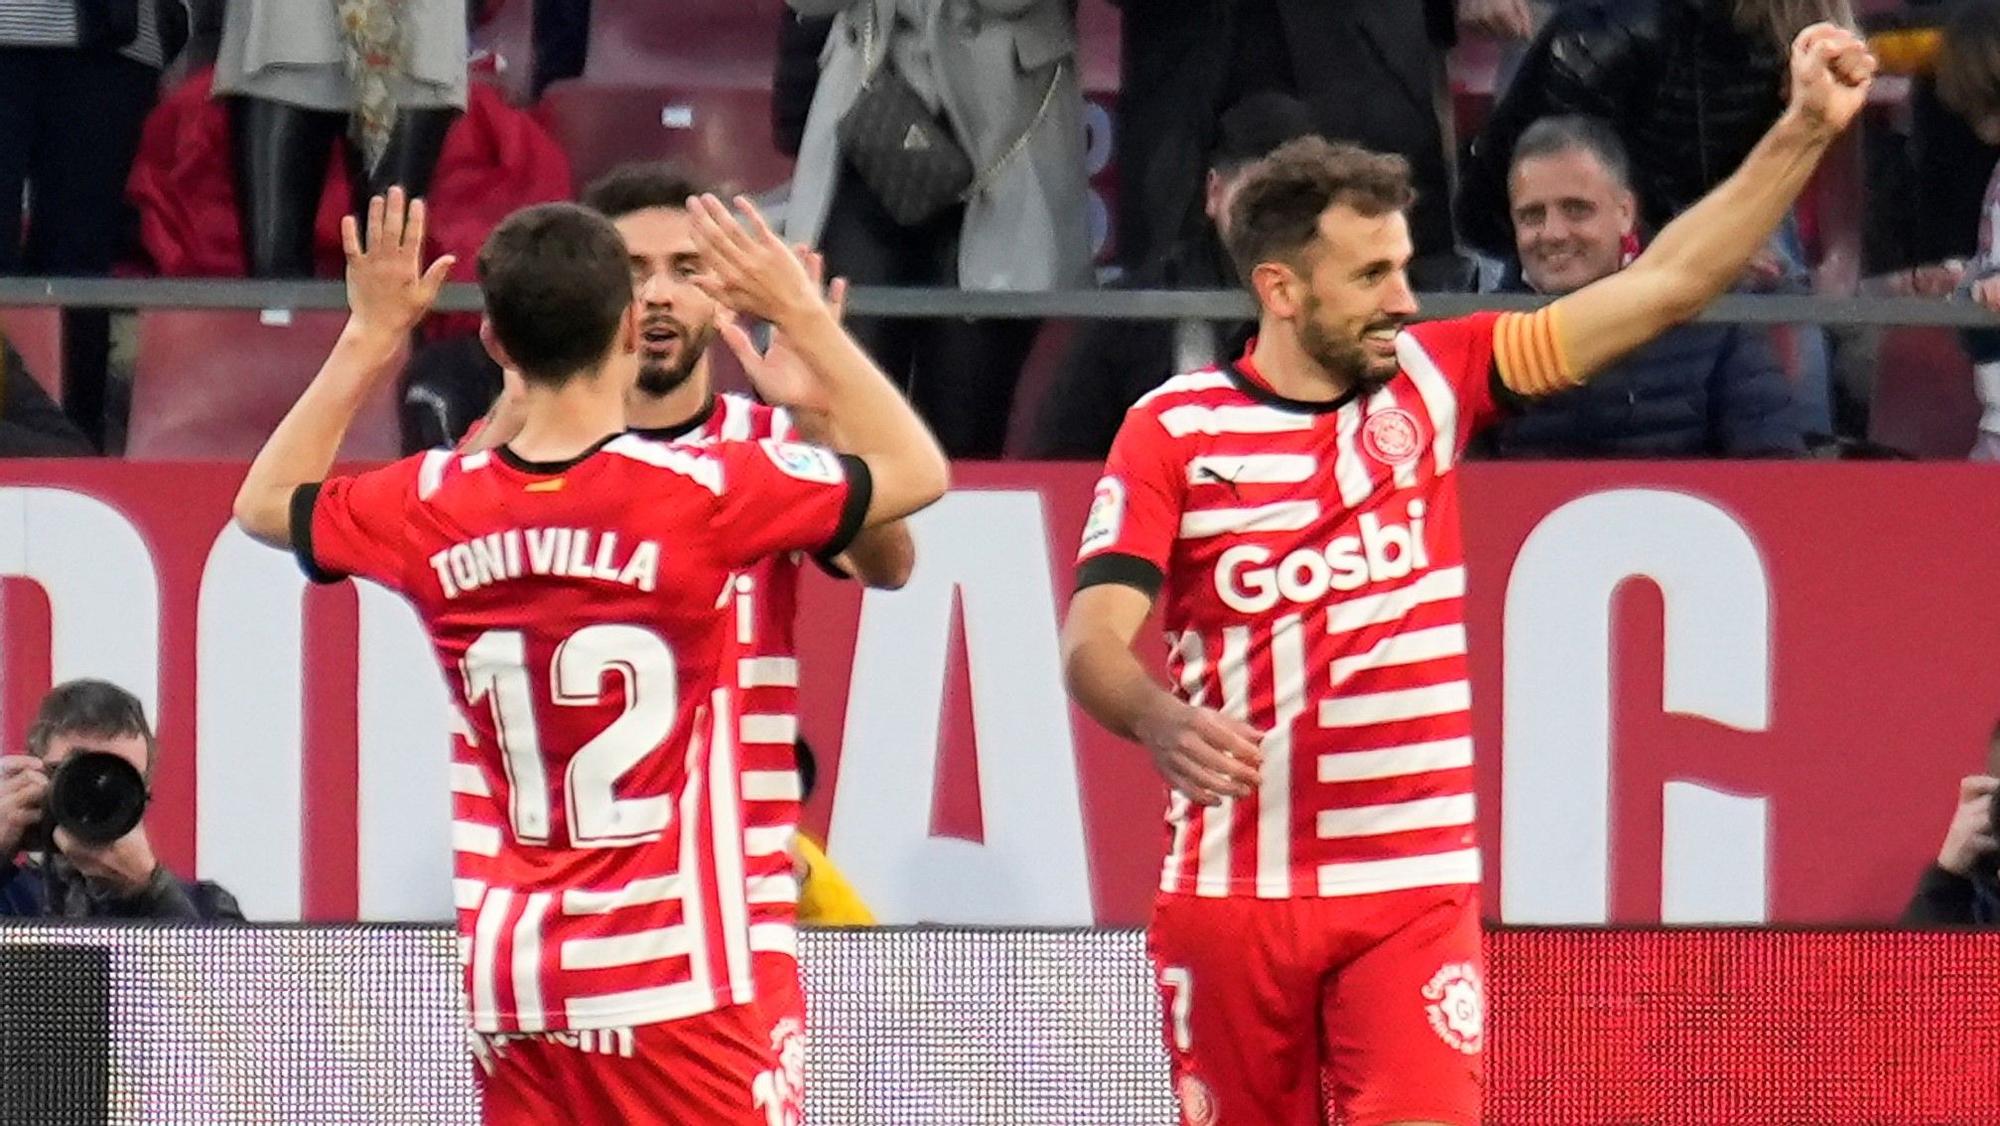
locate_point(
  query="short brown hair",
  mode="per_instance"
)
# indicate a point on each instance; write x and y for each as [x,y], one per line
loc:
[92,708]
[1275,215]
[642,186]
[1968,60]
[557,284]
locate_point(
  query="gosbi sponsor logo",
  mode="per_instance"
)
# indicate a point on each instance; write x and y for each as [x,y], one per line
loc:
[1249,582]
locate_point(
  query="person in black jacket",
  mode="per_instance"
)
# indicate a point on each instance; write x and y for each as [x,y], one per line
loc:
[31,423]
[1963,887]
[1699,390]
[76,879]
[1111,363]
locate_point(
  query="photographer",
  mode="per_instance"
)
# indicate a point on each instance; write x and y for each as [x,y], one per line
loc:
[1963,887]
[70,838]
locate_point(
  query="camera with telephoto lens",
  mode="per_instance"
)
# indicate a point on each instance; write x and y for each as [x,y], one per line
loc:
[96,796]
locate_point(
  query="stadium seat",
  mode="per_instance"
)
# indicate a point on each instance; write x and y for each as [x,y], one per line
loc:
[635,42]
[35,331]
[214,384]
[722,133]
[1924,402]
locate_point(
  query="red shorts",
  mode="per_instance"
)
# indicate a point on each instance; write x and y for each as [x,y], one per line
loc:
[1381,998]
[736,1066]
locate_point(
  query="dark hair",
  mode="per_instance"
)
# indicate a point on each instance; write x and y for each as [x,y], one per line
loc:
[808,766]
[89,707]
[1275,215]
[1549,136]
[557,282]
[641,186]
[1968,60]
[1256,125]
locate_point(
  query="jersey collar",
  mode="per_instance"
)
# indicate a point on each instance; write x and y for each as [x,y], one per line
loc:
[680,430]
[1251,382]
[515,461]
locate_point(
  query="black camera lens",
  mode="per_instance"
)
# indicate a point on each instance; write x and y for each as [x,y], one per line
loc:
[97,797]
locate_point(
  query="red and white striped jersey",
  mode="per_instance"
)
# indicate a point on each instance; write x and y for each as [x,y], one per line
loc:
[1312,580]
[581,612]
[767,682]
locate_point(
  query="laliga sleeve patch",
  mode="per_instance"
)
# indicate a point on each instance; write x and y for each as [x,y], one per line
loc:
[807,463]
[1107,516]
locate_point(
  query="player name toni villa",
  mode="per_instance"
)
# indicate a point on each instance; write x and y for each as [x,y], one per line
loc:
[571,553]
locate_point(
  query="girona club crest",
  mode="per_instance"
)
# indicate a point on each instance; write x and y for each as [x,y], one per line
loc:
[1455,1001]
[1392,436]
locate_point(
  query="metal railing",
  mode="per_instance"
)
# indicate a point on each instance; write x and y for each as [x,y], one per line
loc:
[1093,304]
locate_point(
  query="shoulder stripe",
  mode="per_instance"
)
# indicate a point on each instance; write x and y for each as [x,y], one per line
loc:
[1196,419]
[1208,379]
[1440,400]
[735,419]
[431,473]
[691,463]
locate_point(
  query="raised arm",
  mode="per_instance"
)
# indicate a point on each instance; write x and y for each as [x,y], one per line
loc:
[752,272]
[388,292]
[1698,255]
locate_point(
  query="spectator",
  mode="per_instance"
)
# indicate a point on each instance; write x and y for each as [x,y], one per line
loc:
[998,80]
[1111,363]
[1963,887]
[794,77]
[826,899]
[74,879]
[31,424]
[389,76]
[1699,390]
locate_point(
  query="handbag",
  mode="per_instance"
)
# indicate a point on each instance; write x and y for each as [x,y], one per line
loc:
[902,152]
[107,24]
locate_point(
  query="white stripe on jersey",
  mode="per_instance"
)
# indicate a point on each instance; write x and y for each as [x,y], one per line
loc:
[726,801]
[466,894]
[474,462]
[472,837]
[686,461]
[772,729]
[638,893]
[781,424]
[735,419]
[1405,472]
[628,949]
[1218,821]
[1274,784]
[1410,648]
[1367,877]
[774,938]
[486,950]
[1208,380]
[767,672]
[1440,401]
[1251,469]
[1194,419]
[1374,609]
[768,840]
[1284,516]
[774,889]
[466,779]
[1395,817]
[1390,707]
[1187,656]
[1395,762]
[431,473]
[771,785]
[611,1010]
[528,1011]
[1349,472]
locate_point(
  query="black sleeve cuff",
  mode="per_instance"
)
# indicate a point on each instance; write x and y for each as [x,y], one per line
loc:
[860,491]
[829,565]
[1141,575]
[303,499]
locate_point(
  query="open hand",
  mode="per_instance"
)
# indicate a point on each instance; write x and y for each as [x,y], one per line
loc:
[388,290]
[24,787]
[1832,70]
[126,865]
[1970,838]
[747,267]
[780,375]
[1202,753]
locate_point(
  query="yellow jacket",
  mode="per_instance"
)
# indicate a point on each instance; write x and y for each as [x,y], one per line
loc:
[826,899]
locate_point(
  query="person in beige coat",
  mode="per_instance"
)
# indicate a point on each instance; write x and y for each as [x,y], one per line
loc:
[1001,76]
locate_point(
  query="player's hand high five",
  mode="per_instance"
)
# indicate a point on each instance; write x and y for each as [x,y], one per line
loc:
[747,267]
[388,289]
[1832,70]
[780,375]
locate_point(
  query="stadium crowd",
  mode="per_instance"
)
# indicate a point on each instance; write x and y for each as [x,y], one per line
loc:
[1073,143]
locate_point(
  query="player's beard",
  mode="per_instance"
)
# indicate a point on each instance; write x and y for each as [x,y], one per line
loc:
[1344,355]
[659,380]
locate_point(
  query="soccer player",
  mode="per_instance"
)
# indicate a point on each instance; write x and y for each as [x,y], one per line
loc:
[1296,517]
[576,583]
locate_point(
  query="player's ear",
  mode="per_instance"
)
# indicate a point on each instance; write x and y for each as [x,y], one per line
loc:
[628,329]
[492,345]
[1279,289]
